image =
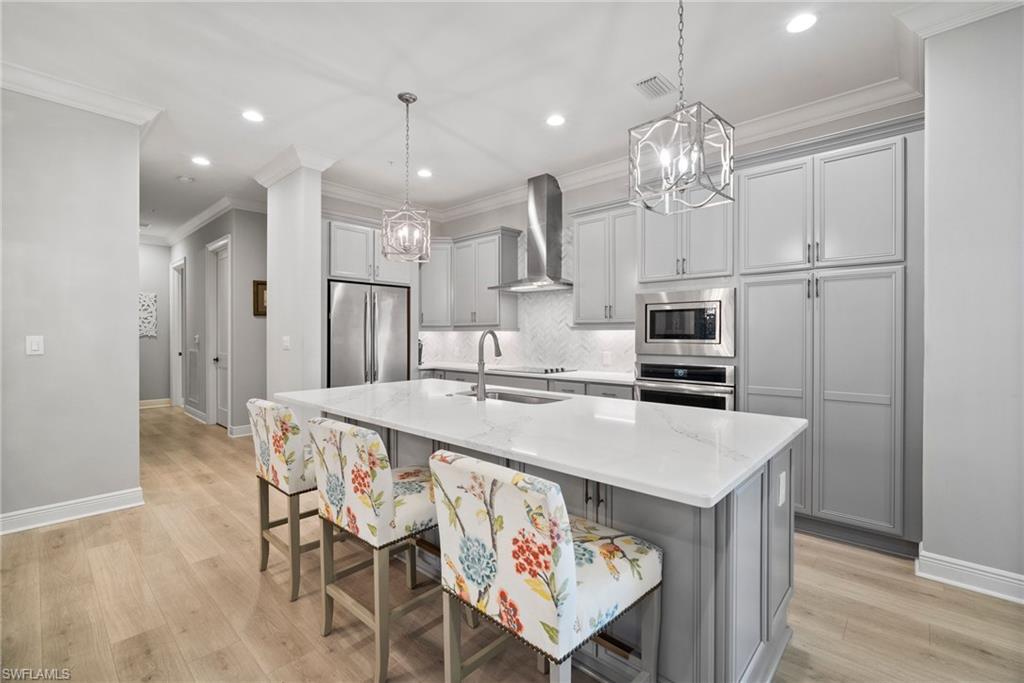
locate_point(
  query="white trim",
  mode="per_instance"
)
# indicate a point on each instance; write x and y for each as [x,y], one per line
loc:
[44,86]
[213,250]
[289,161]
[54,513]
[154,403]
[153,239]
[195,414]
[358,196]
[212,212]
[928,19]
[236,432]
[973,577]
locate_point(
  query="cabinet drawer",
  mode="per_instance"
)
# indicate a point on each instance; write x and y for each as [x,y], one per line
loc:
[567,387]
[610,391]
[460,376]
[517,382]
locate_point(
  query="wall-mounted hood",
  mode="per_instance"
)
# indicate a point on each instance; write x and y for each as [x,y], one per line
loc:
[543,239]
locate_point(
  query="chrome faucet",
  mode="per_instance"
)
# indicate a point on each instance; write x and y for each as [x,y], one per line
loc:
[481,390]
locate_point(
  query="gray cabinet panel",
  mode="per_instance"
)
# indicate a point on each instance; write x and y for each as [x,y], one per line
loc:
[567,387]
[622,240]
[464,283]
[436,286]
[747,609]
[780,529]
[517,382]
[708,248]
[488,274]
[858,397]
[774,205]
[610,390]
[660,247]
[591,284]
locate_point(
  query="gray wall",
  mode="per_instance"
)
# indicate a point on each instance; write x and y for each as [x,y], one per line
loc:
[973,448]
[154,352]
[71,273]
[248,335]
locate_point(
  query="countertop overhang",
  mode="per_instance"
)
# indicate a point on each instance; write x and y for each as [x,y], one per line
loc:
[694,456]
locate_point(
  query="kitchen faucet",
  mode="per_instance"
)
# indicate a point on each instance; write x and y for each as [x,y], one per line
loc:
[481,390]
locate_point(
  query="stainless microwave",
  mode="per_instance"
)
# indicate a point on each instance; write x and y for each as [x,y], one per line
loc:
[695,322]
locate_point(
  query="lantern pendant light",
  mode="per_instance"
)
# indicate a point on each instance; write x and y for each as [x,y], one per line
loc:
[406,231]
[683,160]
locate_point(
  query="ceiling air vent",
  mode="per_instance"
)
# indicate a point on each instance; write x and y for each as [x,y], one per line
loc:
[655,86]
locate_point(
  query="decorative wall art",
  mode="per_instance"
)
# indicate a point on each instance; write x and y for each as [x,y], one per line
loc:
[147,314]
[259,298]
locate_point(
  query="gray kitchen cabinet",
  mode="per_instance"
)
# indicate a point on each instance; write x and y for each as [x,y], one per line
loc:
[859,198]
[776,327]
[660,247]
[355,254]
[532,383]
[481,262]
[388,271]
[436,285]
[858,397]
[774,213]
[605,279]
[464,283]
[694,244]
[460,376]
[610,390]
[567,387]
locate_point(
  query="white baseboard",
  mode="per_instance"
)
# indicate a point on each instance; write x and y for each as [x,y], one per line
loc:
[973,577]
[44,515]
[239,431]
[195,414]
[155,403]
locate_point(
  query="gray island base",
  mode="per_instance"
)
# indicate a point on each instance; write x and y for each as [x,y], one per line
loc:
[711,488]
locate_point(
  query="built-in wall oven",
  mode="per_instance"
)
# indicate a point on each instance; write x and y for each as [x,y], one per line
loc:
[696,322]
[698,386]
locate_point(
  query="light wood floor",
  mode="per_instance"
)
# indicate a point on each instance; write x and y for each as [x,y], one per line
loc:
[171,591]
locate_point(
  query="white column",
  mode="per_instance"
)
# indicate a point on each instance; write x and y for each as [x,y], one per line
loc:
[295,281]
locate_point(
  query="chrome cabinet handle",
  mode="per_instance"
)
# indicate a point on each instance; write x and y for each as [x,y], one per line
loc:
[817,251]
[808,252]
[611,312]
[369,269]
[682,266]
[817,287]
[679,270]
[586,492]
[377,271]
[808,285]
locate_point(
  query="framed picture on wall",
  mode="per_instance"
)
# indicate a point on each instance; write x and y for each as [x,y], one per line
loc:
[259,297]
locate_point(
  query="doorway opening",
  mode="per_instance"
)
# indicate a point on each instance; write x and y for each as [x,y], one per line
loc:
[218,332]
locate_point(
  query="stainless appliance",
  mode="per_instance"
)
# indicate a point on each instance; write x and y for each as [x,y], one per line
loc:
[696,322]
[367,334]
[699,386]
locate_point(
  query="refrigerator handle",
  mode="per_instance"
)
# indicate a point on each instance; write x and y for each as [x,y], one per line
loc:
[366,334]
[376,324]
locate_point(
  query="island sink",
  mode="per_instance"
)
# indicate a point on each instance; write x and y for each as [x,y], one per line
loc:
[514,396]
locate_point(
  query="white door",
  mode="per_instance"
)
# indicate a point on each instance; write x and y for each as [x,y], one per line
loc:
[387,271]
[436,287]
[774,204]
[464,290]
[351,251]
[659,247]
[590,288]
[177,333]
[222,343]
[622,240]
[488,274]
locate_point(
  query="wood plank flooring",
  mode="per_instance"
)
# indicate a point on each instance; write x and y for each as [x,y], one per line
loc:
[171,592]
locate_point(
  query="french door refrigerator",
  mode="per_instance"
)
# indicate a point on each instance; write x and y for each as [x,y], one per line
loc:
[367,334]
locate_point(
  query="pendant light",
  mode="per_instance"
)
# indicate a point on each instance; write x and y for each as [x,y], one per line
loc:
[406,231]
[683,160]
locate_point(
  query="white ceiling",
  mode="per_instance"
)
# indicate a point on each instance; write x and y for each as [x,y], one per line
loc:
[487,74]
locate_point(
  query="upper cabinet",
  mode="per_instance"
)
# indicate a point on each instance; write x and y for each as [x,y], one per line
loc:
[436,285]
[604,286]
[356,255]
[480,262]
[694,244]
[774,213]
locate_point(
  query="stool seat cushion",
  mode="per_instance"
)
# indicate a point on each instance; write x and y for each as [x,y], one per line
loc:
[414,500]
[283,454]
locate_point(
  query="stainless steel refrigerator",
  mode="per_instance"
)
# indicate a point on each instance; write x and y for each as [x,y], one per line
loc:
[367,334]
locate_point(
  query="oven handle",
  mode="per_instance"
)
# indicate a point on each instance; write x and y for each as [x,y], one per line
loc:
[686,388]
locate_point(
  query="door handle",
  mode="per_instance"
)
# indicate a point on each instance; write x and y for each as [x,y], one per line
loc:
[366,334]
[216,359]
[376,319]
[179,354]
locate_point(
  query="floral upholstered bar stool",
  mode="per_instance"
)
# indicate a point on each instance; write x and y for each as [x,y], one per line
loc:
[284,461]
[385,508]
[549,579]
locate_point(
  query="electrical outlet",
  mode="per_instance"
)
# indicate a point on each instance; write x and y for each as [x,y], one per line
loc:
[286,343]
[782,488]
[34,345]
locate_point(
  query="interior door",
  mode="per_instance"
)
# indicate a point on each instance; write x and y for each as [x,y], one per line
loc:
[222,345]
[348,331]
[178,334]
[591,286]
[390,313]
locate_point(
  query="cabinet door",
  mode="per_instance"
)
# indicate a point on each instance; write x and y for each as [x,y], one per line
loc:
[567,387]
[660,257]
[590,289]
[436,287]
[610,391]
[775,341]
[707,244]
[488,274]
[464,283]
[387,271]
[351,251]
[622,239]
[774,213]
[858,397]
[858,195]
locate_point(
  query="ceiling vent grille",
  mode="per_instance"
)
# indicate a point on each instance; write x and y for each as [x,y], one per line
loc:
[655,86]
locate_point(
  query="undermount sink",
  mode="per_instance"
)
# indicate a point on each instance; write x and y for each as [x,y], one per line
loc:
[515,396]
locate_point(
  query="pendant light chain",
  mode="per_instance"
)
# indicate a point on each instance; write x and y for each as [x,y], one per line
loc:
[407,153]
[682,99]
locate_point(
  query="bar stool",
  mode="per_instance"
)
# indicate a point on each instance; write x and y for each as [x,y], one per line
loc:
[385,508]
[284,461]
[546,578]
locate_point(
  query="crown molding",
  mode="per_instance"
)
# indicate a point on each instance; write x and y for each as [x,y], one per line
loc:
[928,19]
[44,86]
[289,161]
[357,195]
[153,239]
[212,212]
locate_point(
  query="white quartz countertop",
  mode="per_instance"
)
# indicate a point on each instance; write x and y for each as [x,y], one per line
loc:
[694,456]
[624,378]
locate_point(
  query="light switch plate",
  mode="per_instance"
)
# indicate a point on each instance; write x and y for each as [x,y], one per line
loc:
[34,345]
[286,343]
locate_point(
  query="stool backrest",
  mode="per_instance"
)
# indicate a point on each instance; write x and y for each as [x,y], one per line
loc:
[355,480]
[507,547]
[283,455]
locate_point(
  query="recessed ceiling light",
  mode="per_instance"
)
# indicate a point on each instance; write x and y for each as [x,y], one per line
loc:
[185,179]
[424,173]
[801,23]
[200,161]
[556,120]
[252,115]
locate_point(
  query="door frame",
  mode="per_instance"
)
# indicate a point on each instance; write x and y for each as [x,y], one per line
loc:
[177,347]
[213,249]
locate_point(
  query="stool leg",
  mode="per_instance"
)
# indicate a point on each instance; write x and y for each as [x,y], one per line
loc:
[381,613]
[410,565]
[452,639]
[561,673]
[471,616]
[543,665]
[263,489]
[650,634]
[326,573]
[294,543]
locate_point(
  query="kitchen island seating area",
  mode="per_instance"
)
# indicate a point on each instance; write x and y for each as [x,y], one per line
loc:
[511,550]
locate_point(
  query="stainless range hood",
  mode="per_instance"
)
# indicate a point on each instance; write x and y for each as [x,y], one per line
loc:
[543,239]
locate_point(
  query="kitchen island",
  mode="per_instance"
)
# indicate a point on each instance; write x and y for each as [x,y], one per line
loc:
[711,488]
